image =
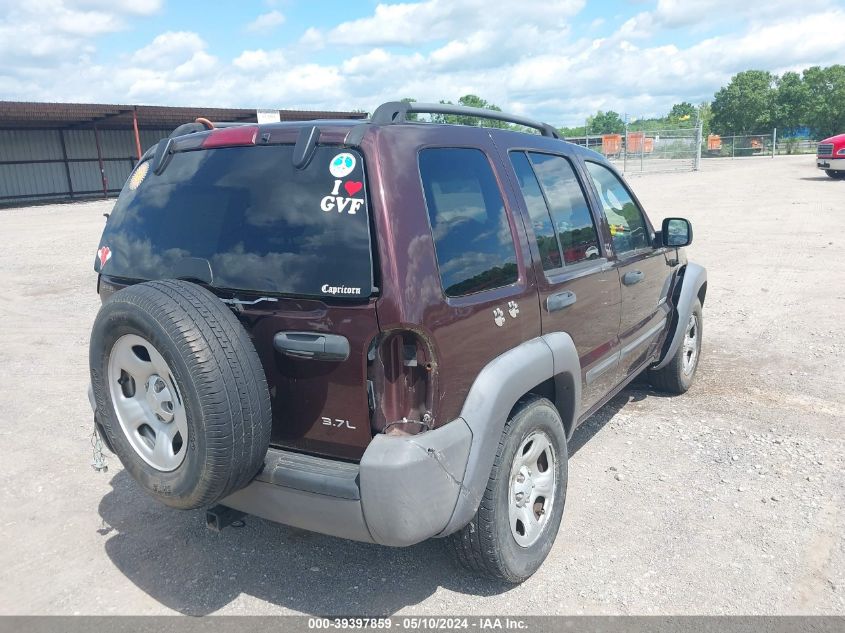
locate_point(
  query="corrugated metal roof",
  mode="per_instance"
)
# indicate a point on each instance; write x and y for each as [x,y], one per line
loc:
[24,114]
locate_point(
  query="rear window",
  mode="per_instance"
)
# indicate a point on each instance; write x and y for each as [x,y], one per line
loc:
[472,236]
[252,218]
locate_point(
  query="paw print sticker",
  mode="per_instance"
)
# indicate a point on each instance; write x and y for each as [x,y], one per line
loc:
[513,309]
[498,317]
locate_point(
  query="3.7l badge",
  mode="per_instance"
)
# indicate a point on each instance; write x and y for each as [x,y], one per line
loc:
[338,423]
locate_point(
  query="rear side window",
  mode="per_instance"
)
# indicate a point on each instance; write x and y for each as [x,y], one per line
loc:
[472,236]
[570,211]
[250,218]
[541,221]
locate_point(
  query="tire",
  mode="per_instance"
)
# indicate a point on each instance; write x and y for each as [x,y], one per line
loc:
[835,174]
[168,360]
[487,544]
[676,377]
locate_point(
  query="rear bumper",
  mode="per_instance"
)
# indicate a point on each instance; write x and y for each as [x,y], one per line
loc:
[831,163]
[404,490]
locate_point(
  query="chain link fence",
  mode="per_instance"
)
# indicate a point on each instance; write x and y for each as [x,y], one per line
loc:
[651,151]
[795,146]
[739,146]
[683,149]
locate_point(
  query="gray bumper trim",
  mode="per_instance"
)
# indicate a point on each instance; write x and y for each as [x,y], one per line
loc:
[410,485]
[304,510]
[403,492]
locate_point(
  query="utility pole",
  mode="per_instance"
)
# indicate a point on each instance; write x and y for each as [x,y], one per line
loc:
[698,140]
[625,154]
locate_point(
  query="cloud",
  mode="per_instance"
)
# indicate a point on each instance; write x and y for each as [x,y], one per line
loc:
[259,60]
[167,49]
[408,24]
[44,31]
[266,22]
[544,64]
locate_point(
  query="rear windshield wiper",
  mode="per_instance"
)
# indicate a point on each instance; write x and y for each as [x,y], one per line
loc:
[193,269]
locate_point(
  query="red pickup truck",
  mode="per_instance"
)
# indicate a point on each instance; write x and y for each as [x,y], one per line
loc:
[830,156]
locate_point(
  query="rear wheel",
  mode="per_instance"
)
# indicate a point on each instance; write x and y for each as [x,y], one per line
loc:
[519,516]
[838,175]
[180,391]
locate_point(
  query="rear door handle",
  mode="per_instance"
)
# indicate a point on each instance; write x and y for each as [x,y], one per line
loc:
[633,277]
[560,300]
[312,345]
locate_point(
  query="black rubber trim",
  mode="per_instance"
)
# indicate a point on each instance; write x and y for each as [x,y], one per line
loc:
[307,473]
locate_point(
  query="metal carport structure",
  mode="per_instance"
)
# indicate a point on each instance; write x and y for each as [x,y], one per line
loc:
[72,151]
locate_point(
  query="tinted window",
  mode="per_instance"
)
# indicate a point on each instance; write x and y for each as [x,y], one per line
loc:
[258,222]
[541,221]
[627,225]
[569,208]
[472,237]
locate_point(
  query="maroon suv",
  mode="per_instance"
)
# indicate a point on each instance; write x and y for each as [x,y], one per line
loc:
[385,331]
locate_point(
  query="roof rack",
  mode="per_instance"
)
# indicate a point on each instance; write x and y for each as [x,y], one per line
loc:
[397,111]
[203,125]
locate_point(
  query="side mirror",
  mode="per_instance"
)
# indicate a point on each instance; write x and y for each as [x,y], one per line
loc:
[676,232]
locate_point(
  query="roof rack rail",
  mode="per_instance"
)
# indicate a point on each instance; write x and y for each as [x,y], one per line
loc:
[202,125]
[397,111]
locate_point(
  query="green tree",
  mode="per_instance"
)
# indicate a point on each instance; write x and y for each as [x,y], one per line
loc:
[682,113]
[605,123]
[411,116]
[705,115]
[472,101]
[825,109]
[569,132]
[790,102]
[746,105]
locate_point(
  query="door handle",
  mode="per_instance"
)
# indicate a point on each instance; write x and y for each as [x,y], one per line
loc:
[633,277]
[560,300]
[312,345]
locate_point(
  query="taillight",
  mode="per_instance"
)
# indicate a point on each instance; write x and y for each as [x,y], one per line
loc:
[231,136]
[402,381]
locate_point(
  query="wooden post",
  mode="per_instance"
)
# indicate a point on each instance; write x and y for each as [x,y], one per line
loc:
[137,136]
[100,160]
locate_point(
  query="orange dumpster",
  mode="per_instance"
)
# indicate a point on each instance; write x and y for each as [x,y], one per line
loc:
[635,142]
[611,144]
[714,143]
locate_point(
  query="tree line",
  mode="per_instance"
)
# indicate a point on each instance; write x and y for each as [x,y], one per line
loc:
[753,102]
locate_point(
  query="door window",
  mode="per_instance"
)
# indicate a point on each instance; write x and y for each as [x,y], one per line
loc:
[472,235]
[568,206]
[560,216]
[628,228]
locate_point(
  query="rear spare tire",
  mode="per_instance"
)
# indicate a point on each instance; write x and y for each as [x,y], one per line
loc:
[181,394]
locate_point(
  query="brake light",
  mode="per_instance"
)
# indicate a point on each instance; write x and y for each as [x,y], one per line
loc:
[231,136]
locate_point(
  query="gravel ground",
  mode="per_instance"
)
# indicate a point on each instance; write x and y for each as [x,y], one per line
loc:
[727,500]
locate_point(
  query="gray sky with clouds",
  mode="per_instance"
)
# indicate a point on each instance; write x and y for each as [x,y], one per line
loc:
[556,59]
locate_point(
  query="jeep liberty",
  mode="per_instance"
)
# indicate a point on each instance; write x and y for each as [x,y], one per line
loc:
[384,330]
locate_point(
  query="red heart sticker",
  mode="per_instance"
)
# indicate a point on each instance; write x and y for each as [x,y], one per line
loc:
[352,187]
[104,254]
